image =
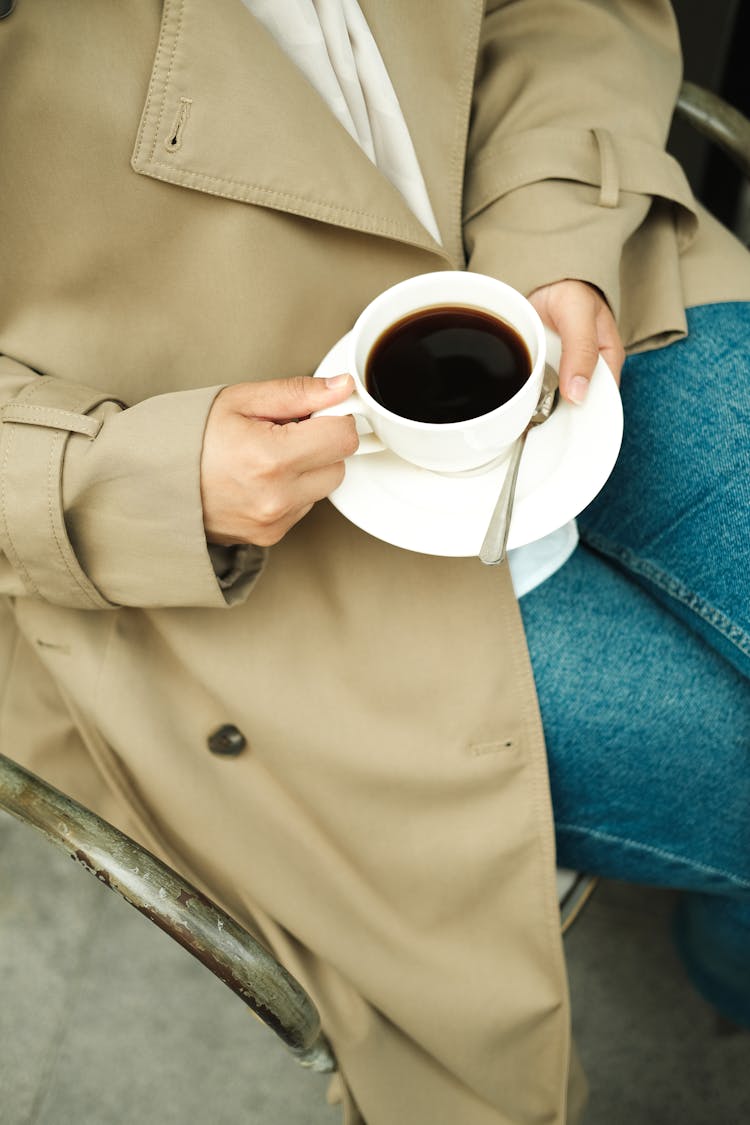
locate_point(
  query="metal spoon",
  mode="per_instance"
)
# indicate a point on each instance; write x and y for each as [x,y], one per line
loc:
[492,550]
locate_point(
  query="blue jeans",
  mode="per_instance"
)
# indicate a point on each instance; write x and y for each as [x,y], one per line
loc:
[641,652]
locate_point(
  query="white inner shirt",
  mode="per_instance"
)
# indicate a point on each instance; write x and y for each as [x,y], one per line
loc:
[331,43]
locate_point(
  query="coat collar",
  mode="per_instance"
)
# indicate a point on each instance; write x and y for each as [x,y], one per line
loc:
[229,114]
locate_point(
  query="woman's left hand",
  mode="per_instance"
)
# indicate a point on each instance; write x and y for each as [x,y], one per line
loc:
[584,322]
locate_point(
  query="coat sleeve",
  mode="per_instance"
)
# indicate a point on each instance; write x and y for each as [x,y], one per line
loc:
[573,102]
[100,502]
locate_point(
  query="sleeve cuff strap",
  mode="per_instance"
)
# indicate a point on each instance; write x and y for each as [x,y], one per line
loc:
[35,429]
[29,414]
[597,157]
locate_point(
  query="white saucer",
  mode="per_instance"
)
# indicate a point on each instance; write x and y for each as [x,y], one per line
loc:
[564,465]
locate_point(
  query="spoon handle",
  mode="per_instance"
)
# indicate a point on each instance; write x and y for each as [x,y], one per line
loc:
[492,550]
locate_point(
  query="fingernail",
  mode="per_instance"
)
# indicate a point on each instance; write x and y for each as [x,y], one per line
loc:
[336,381]
[578,388]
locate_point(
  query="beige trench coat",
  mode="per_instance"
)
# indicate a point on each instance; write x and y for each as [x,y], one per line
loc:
[180,211]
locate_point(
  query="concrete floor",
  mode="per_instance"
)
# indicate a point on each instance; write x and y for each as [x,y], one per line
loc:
[105,1021]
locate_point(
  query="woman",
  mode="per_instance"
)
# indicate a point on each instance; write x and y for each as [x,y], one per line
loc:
[187,214]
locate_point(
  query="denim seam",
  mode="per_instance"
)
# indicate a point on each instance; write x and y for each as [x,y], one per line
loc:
[675,589]
[651,850]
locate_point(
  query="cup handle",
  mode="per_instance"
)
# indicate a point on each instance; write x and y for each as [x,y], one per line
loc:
[369,442]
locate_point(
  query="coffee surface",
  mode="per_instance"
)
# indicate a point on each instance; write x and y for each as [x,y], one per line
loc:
[446,365]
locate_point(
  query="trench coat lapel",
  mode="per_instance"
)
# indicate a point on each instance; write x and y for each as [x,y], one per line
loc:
[435,98]
[229,114]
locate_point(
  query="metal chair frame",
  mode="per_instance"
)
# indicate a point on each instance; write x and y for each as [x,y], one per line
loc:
[175,906]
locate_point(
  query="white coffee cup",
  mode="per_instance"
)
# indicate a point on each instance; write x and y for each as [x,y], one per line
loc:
[446,447]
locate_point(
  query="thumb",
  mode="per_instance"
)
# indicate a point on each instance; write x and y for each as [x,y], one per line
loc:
[285,400]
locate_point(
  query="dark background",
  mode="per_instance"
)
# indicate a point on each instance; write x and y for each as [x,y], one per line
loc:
[716,46]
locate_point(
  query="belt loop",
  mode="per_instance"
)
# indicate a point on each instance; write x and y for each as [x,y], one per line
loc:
[609,193]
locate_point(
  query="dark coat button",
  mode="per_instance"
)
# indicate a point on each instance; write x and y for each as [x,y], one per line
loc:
[227,740]
[6,7]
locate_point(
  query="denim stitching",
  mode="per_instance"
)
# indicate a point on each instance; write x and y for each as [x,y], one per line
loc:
[675,589]
[651,850]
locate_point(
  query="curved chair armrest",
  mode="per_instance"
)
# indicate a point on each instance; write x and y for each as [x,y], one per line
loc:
[177,907]
[716,119]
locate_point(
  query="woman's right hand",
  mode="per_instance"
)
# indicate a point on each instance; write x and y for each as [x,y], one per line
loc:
[265,462]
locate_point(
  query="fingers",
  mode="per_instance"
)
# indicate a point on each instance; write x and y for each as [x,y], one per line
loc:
[258,476]
[587,328]
[275,505]
[313,442]
[576,325]
[284,400]
[610,343]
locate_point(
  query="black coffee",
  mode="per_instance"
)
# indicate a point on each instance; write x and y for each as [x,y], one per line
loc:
[447,365]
